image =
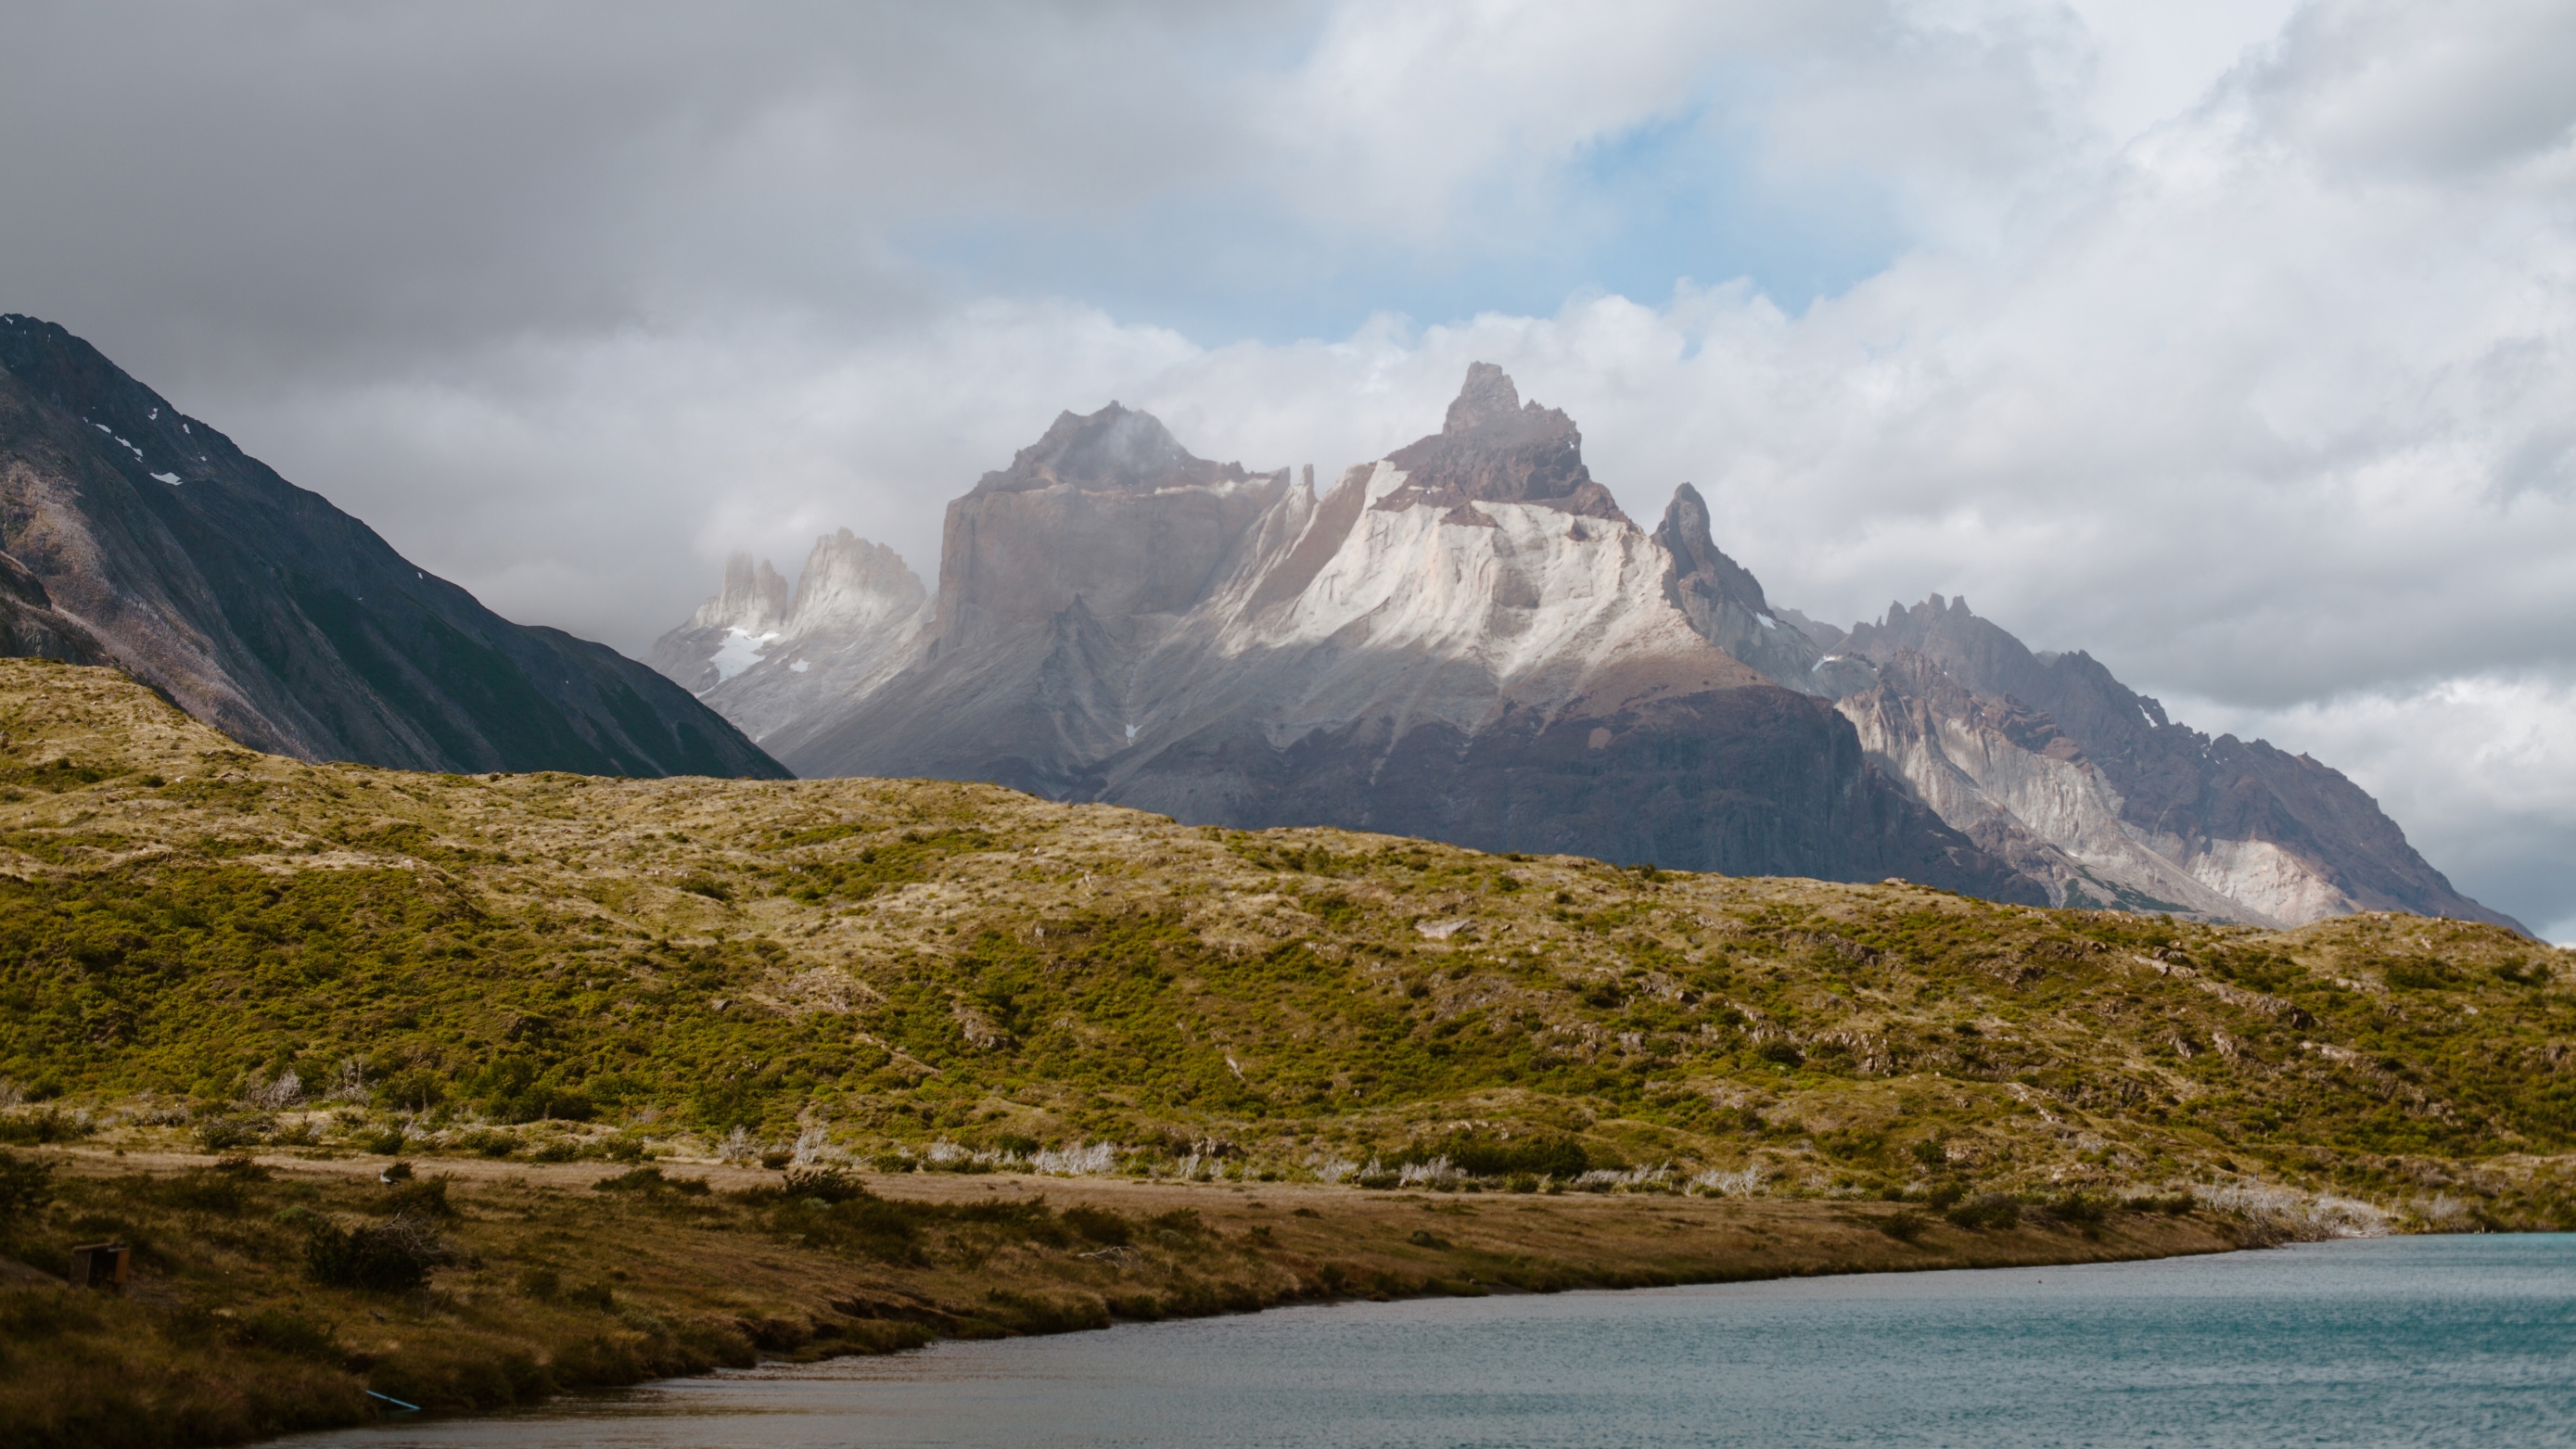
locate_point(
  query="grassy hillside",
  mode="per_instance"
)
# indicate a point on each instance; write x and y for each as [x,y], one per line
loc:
[950,1060]
[920,973]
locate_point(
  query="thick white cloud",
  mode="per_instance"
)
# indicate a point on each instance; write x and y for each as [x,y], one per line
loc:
[2236,344]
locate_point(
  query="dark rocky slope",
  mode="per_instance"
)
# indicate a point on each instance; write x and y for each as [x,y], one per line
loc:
[155,544]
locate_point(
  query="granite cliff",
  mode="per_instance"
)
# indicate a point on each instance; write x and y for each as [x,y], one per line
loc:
[1469,640]
[2144,812]
[1466,640]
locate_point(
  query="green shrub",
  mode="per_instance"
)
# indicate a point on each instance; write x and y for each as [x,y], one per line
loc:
[1104,1226]
[387,1257]
[1904,1225]
[222,1134]
[650,1179]
[416,1090]
[421,1198]
[39,1128]
[489,1143]
[2077,1209]
[26,1187]
[829,1184]
[1491,1157]
[1987,1210]
[2421,973]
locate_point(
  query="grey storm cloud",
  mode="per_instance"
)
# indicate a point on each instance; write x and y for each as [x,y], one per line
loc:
[2235,344]
[322,184]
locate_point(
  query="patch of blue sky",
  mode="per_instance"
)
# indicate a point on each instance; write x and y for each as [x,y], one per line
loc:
[1691,198]
[1684,199]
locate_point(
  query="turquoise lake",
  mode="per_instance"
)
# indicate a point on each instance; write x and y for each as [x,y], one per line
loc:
[2409,1341]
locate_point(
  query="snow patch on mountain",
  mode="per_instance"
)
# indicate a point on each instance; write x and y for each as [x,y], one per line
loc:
[740,650]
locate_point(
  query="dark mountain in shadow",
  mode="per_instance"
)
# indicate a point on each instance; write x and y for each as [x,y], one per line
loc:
[136,536]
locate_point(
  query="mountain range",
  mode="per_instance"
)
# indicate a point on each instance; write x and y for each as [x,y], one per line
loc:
[1466,640]
[1469,640]
[132,534]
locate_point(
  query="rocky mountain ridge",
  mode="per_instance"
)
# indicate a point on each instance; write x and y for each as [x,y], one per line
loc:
[1466,640]
[760,655]
[2164,816]
[1469,640]
[133,535]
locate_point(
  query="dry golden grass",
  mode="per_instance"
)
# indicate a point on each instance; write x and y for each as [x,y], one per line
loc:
[557,1283]
[514,980]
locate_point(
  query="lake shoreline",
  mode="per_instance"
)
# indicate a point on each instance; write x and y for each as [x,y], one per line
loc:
[562,1277]
[2429,1340]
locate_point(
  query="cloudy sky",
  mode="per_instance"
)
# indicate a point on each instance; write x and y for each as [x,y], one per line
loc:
[2232,340]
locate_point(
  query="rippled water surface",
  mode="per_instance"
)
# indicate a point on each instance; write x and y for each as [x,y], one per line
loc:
[2415,1341]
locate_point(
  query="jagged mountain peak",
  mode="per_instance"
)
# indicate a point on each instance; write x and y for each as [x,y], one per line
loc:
[1494,448]
[853,601]
[752,599]
[851,579]
[1685,533]
[1487,399]
[149,438]
[2280,836]
[1466,639]
[1117,449]
[1723,600]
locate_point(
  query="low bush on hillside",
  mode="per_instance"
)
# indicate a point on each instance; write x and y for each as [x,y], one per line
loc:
[1986,1211]
[386,1257]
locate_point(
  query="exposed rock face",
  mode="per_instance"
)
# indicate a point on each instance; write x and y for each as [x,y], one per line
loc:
[30,628]
[2017,785]
[1724,602]
[765,658]
[725,636]
[1994,736]
[157,545]
[1058,577]
[1108,511]
[1467,641]
[1492,448]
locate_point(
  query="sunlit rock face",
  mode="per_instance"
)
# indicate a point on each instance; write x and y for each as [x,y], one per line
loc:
[1466,640]
[133,535]
[1469,640]
[2142,812]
